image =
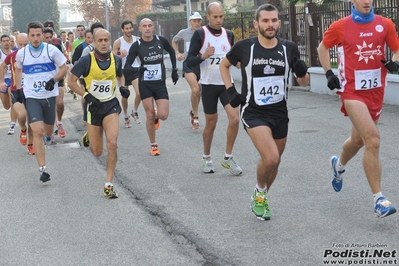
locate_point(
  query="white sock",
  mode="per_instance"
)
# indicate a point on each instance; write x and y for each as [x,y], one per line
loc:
[12,124]
[126,116]
[227,155]
[59,122]
[108,184]
[376,196]
[206,156]
[154,144]
[261,189]
[339,166]
[42,169]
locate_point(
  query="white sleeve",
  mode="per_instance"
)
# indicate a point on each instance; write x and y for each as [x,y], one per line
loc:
[57,56]
[86,51]
[18,57]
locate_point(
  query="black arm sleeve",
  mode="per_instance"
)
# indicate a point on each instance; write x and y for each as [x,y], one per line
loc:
[118,63]
[132,54]
[170,50]
[193,57]
[77,53]
[230,35]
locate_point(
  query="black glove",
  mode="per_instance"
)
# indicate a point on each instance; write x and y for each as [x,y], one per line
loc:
[175,76]
[392,66]
[235,98]
[50,85]
[300,68]
[332,80]
[124,92]
[19,96]
[91,100]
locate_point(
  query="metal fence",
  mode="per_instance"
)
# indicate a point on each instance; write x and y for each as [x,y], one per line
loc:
[303,24]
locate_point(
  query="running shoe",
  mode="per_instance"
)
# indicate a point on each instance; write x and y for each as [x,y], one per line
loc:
[22,138]
[229,163]
[336,180]
[260,205]
[154,150]
[135,116]
[11,131]
[110,193]
[157,122]
[383,208]
[31,151]
[85,140]
[207,166]
[48,140]
[61,130]
[194,121]
[127,122]
[44,177]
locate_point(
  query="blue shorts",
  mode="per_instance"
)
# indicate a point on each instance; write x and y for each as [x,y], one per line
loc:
[14,97]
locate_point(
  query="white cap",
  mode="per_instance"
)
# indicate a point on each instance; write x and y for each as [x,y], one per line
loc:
[195,15]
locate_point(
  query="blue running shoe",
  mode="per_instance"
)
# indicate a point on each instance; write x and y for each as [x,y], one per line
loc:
[337,180]
[48,140]
[383,208]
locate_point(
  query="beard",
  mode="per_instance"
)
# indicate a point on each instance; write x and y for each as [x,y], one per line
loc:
[264,34]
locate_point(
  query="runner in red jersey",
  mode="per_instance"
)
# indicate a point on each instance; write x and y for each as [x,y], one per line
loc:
[362,70]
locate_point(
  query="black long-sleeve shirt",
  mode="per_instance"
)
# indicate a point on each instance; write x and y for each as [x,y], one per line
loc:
[150,53]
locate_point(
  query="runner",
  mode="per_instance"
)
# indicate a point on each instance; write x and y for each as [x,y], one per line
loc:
[152,78]
[39,62]
[121,47]
[192,75]
[4,93]
[208,46]
[266,63]
[361,39]
[101,69]
[18,97]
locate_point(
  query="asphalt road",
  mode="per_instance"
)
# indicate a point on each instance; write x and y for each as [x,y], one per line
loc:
[170,213]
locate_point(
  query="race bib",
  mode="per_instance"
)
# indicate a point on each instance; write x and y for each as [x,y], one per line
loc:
[367,79]
[214,61]
[36,83]
[268,90]
[101,89]
[153,72]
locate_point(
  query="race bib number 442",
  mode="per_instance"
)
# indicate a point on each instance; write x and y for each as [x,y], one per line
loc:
[268,90]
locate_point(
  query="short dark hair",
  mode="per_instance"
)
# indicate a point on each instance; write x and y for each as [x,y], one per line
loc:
[35,25]
[70,32]
[49,23]
[48,30]
[4,36]
[96,25]
[87,31]
[126,22]
[62,32]
[15,30]
[80,26]
[264,7]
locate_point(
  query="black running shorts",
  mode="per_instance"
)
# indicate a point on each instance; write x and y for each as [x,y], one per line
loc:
[279,127]
[95,116]
[210,94]
[157,90]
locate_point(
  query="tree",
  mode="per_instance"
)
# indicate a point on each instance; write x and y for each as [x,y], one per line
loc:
[25,11]
[118,10]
